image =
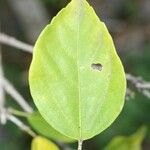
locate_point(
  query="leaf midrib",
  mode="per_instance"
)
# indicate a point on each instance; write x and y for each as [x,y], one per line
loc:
[78,76]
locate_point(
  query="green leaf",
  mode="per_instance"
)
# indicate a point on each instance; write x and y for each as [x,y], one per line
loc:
[132,142]
[40,143]
[76,78]
[43,128]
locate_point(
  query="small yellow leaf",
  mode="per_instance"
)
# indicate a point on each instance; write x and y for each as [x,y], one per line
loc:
[40,143]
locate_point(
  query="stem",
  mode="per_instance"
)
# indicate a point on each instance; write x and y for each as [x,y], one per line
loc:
[80,142]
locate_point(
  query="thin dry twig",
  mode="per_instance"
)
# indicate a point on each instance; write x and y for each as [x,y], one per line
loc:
[140,84]
[11,41]
[1,86]
[129,94]
[10,89]
[138,81]
[20,124]
[2,94]
[146,93]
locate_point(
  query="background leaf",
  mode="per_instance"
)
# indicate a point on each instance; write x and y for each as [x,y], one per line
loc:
[43,128]
[73,93]
[132,142]
[40,143]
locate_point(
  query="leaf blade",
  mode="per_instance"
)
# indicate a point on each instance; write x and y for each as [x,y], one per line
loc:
[67,61]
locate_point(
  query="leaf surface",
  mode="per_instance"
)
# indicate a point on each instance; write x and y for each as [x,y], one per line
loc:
[76,78]
[43,128]
[40,143]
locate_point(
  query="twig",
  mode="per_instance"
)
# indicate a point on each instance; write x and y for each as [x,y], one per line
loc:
[129,94]
[11,41]
[2,94]
[19,123]
[146,93]
[140,84]
[138,81]
[10,89]
[143,85]
[1,86]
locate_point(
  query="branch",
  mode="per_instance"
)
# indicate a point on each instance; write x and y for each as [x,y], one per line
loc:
[11,41]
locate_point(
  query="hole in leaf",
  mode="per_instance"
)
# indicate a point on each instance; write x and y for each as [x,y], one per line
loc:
[97,66]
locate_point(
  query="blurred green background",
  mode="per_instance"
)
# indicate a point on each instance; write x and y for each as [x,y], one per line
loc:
[129,24]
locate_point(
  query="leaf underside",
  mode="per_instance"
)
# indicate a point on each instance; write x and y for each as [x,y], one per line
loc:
[76,78]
